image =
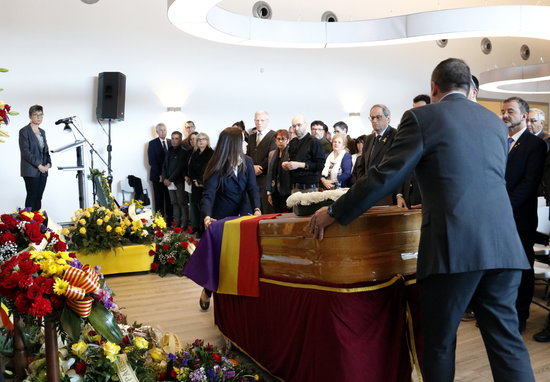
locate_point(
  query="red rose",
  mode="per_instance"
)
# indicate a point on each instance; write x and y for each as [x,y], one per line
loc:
[33,232]
[80,368]
[57,301]
[189,230]
[40,307]
[126,339]
[159,234]
[38,218]
[144,220]
[73,255]
[151,253]
[216,357]
[7,237]
[171,259]
[166,247]
[9,221]
[173,224]
[154,266]
[24,218]
[60,246]
[184,244]
[178,230]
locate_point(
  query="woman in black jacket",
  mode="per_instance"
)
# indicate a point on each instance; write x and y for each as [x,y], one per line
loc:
[197,164]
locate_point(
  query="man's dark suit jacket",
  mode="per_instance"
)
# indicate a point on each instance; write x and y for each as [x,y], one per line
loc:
[156,156]
[459,151]
[523,176]
[232,196]
[259,153]
[31,154]
[372,156]
[175,165]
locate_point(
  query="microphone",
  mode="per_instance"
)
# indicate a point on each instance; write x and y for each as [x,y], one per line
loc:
[65,120]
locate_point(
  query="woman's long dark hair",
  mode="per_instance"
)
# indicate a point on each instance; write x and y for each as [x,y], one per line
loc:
[227,155]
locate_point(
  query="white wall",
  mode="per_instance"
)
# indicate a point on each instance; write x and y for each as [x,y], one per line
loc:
[56,49]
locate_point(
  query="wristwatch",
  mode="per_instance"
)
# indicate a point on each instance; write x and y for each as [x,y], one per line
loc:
[330,212]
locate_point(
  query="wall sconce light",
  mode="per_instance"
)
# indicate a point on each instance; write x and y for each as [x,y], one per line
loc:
[173,109]
[354,114]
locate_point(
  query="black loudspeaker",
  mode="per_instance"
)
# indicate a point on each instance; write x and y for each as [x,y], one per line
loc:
[111,94]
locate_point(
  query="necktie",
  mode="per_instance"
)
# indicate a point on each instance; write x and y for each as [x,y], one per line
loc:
[164,146]
[510,143]
[258,137]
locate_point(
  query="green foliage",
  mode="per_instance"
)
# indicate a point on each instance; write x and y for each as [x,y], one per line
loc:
[104,322]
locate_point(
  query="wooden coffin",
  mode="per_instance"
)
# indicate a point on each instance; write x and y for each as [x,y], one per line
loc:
[368,249]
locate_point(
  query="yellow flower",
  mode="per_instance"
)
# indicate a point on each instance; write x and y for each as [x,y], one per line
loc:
[60,286]
[79,348]
[99,221]
[82,230]
[127,221]
[108,228]
[156,354]
[110,350]
[82,221]
[73,219]
[28,214]
[65,231]
[87,214]
[160,222]
[141,343]
[118,230]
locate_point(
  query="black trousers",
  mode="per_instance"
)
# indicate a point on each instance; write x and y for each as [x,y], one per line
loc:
[162,201]
[492,293]
[35,186]
[527,284]
[279,202]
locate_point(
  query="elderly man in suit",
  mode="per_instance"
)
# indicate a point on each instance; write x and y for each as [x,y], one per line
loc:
[260,143]
[376,145]
[469,247]
[156,153]
[535,124]
[523,175]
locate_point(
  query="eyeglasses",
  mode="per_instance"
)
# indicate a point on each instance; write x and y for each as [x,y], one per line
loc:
[317,129]
[297,125]
[532,120]
[260,120]
[281,138]
[376,117]
[201,139]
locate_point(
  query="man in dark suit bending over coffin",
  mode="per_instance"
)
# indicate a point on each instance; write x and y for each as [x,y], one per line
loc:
[469,247]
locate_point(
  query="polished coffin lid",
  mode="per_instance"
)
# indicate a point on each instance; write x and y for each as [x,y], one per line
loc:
[375,246]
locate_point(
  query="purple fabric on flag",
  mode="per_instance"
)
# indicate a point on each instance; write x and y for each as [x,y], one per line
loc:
[203,266]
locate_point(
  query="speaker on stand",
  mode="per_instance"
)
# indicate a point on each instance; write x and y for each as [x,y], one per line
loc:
[111,96]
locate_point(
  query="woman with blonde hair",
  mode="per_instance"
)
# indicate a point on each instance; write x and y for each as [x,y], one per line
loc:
[337,170]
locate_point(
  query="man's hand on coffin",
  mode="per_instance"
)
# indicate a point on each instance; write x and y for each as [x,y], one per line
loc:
[207,221]
[319,221]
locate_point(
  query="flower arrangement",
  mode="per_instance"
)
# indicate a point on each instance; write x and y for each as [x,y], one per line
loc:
[94,358]
[309,202]
[5,112]
[98,228]
[104,194]
[200,362]
[55,285]
[27,230]
[172,251]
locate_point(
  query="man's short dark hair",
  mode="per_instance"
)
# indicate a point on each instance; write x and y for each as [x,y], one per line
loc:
[342,125]
[319,123]
[178,133]
[523,106]
[475,82]
[35,108]
[452,74]
[422,97]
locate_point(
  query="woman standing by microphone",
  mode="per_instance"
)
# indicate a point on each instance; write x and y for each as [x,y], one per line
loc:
[35,158]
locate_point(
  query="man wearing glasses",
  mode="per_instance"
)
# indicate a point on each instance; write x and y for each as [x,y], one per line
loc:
[318,129]
[307,158]
[376,145]
[535,124]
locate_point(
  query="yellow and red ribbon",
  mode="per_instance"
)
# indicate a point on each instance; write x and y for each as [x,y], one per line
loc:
[81,281]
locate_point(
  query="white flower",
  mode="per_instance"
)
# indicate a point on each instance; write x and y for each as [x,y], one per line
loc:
[308,198]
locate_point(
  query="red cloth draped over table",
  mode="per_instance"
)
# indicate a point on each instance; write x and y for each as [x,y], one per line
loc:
[305,332]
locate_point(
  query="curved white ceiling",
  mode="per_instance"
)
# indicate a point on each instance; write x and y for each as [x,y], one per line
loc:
[206,19]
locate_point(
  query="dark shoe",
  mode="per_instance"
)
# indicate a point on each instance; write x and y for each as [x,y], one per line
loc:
[522,325]
[204,301]
[543,336]
[468,316]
